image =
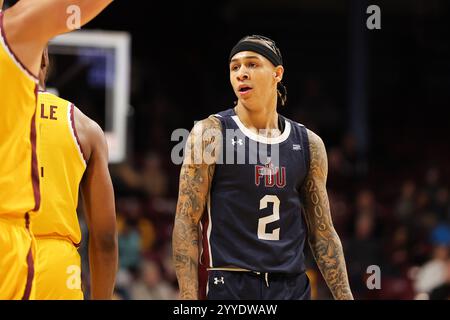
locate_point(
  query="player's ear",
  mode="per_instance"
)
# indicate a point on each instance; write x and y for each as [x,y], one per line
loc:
[278,73]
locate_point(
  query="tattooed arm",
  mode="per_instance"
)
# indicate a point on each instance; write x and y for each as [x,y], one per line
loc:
[323,239]
[195,181]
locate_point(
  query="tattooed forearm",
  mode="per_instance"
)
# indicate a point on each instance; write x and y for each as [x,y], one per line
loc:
[195,181]
[185,258]
[323,239]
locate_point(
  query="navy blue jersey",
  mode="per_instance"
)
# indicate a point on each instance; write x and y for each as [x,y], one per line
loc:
[254,214]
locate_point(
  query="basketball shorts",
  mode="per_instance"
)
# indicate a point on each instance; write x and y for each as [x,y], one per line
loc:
[249,285]
[16,259]
[58,270]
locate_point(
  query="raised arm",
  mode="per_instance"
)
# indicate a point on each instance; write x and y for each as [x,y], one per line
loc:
[30,24]
[98,199]
[323,239]
[195,182]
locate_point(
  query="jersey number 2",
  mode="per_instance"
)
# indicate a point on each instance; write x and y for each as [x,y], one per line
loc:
[263,222]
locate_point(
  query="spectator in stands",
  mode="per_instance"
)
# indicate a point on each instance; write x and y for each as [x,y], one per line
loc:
[150,285]
[432,273]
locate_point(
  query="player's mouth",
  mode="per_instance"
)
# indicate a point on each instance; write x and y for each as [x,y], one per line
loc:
[244,89]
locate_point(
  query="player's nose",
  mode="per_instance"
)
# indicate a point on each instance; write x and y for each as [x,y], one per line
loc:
[242,74]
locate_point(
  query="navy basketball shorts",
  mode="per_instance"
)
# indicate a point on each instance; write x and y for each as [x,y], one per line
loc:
[248,285]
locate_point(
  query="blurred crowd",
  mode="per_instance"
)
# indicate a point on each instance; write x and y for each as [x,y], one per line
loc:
[402,228]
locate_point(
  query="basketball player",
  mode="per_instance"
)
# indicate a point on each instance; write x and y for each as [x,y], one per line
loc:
[73,152]
[25,29]
[253,230]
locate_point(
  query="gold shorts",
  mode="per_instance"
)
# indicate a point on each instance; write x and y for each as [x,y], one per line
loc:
[58,270]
